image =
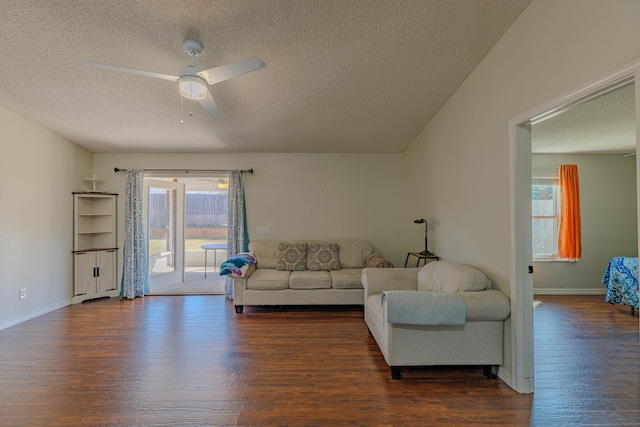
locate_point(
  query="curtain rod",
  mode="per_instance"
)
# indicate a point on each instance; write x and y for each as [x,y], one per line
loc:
[250,171]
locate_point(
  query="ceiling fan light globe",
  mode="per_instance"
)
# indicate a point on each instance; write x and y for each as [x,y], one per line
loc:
[192,87]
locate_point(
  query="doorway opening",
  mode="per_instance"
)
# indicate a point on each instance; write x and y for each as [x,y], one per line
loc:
[522,378]
[187,233]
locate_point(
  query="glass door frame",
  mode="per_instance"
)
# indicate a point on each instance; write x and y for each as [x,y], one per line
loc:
[177,274]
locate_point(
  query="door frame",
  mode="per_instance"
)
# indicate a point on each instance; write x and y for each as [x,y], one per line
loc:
[522,352]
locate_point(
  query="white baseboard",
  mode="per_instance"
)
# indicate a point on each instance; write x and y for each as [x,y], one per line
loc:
[573,291]
[45,310]
[505,377]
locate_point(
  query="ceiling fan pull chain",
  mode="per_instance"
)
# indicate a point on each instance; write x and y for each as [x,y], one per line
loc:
[181,110]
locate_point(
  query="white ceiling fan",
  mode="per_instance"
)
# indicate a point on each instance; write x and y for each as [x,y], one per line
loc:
[192,81]
[220,182]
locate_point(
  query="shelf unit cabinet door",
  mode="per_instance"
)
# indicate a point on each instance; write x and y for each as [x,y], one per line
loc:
[85,282]
[106,263]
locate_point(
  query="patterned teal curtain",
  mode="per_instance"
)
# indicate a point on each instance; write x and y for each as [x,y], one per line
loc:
[135,280]
[237,232]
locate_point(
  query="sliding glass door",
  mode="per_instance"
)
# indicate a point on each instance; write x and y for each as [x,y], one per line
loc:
[165,212]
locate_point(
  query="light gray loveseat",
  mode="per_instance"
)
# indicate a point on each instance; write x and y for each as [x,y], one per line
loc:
[336,281]
[441,314]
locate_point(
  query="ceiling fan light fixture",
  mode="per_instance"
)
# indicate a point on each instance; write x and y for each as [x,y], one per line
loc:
[193,87]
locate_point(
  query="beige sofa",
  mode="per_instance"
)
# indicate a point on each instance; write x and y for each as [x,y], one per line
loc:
[441,314]
[338,282]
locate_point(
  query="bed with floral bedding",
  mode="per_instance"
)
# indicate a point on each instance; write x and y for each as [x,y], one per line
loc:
[621,279]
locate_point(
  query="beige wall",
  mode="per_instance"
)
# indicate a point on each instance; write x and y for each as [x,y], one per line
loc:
[608,208]
[457,169]
[298,196]
[39,171]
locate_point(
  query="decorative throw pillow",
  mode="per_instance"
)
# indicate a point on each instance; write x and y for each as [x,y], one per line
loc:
[292,257]
[323,257]
[377,261]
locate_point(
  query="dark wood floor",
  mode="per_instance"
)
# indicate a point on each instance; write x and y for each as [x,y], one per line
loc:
[191,361]
[587,364]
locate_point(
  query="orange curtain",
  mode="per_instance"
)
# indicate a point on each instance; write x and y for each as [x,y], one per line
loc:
[570,234]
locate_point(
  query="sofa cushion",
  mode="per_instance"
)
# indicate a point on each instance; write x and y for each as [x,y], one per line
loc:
[446,276]
[267,278]
[353,253]
[347,278]
[310,280]
[292,257]
[265,253]
[323,256]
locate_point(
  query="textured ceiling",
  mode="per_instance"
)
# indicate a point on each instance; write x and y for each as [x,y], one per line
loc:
[341,76]
[600,125]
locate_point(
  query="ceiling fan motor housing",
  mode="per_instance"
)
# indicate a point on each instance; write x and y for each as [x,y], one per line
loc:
[193,47]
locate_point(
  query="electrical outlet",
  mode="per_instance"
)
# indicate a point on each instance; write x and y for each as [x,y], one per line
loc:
[23,293]
[262,230]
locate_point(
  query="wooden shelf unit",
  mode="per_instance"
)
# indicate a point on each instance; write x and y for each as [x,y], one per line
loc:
[94,246]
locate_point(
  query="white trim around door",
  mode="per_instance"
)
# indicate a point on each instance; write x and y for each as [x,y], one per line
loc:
[520,211]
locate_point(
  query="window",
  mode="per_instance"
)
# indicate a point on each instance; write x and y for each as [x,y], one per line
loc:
[207,209]
[545,204]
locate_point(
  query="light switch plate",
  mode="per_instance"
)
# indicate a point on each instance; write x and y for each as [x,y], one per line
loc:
[262,230]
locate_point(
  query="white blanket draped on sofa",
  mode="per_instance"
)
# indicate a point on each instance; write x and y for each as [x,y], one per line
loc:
[423,308]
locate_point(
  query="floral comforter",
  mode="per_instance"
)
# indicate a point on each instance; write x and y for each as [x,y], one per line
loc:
[621,280]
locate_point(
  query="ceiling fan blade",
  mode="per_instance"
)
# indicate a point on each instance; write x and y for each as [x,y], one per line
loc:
[131,70]
[225,72]
[211,107]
